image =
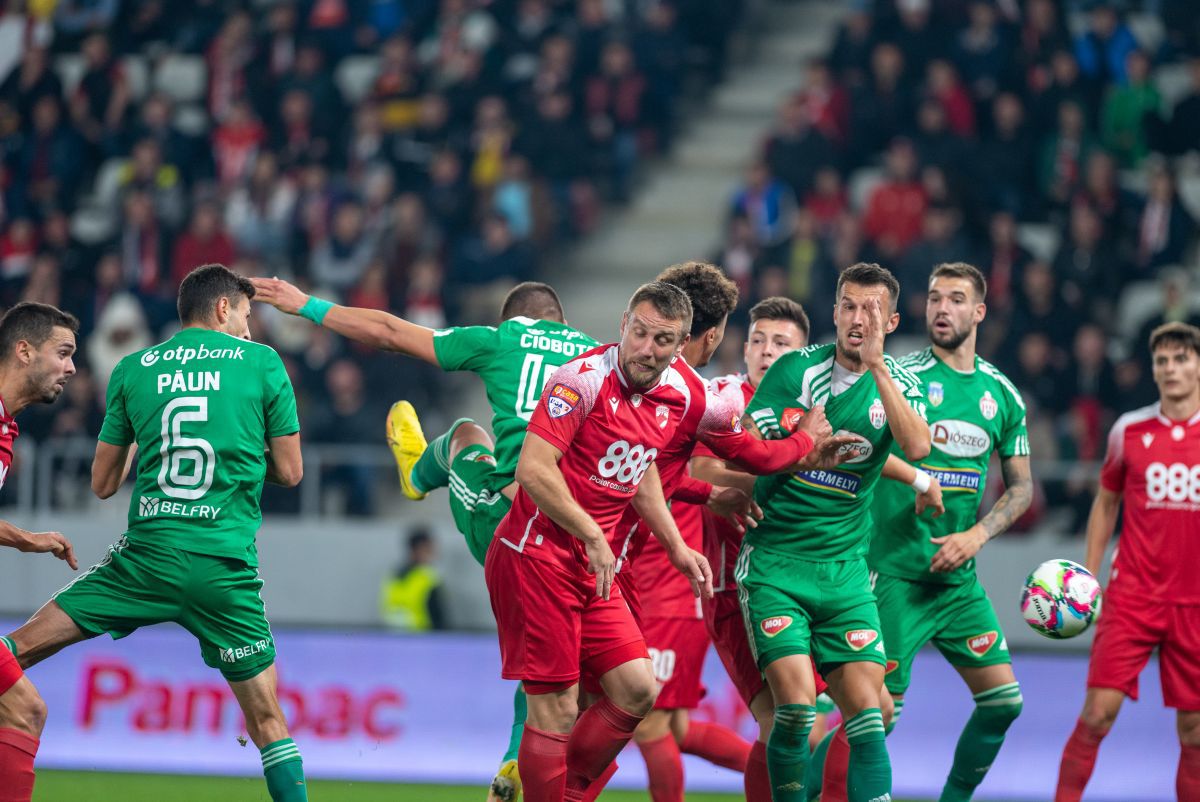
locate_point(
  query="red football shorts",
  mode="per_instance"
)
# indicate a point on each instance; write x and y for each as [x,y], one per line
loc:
[677,649]
[727,628]
[10,670]
[551,623]
[1128,631]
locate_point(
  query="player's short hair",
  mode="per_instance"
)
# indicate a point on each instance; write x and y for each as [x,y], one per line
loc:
[204,286]
[712,294]
[962,270]
[532,299]
[779,308]
[667,299]
[33,323]
[1183,335]
[870,274]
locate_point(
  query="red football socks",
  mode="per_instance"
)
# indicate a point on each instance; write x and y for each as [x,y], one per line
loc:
[593,791]
[542,762]
[837,767]
[758,781]
[599,736]
[664,766]
[1187,781]
[716,744]
[17,751]
[1078,760]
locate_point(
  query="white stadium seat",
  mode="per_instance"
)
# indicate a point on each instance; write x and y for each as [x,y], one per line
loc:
[355,75]
[184,78]
[1041,239]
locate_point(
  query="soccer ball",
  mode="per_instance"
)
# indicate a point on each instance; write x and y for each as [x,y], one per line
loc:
[1061,599]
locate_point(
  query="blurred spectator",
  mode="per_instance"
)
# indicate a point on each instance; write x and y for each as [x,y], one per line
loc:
[613,103]
[156,123]
[18,247]
[490,142]
[1101,191]
[941,241]
[343,257]
[50,162]
[982,52]
[825,104]
[259,211]
[347,417]
[1102,49]
[146,172]
[661,50]
[31,81]
[1165,228]
[1185,119]
[121,329]
[204,242]
[1131,113]
[1063,153]
[513,196]
[768,204]
[796,149]
[1040,307]
[810,275]
[896,207]
[1177,307]
[143,245]
[75,18]
[852,46]
[918,35]
[739,255]
[1093,376]
[881,108]
[411,599]
[102,97]
[449,194]
[236,142]
[936,143]
[1004,161]
[1036,375]
[827,202]
[1086,266]
[423,297]
[488,265]
[1004,261]
[1066,84]
[943,85]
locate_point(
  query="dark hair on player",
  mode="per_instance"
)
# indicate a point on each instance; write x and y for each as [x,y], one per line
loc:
[870,274]
[32,323]
[532,299]
[962,270]
[712,294]
[668,300]
[204,286]
[779,308]
[1180,334]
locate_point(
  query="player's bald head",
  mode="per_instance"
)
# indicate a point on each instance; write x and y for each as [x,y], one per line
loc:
[533,299]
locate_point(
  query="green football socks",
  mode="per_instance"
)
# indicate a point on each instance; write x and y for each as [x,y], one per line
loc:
[520,711]
[787,752]
[7,643]
[995,710]
[869,778]
[432,469]
[284,771]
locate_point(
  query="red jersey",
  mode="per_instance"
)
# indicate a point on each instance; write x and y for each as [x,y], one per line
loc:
[8,434]
[662,591]
[1155,463]
[721,540]
[609,434]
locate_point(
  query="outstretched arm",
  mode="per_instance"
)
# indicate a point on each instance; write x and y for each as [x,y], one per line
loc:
[38,542]
[372,327]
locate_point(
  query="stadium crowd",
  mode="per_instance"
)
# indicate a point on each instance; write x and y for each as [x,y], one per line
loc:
[1031,139]
[413,155]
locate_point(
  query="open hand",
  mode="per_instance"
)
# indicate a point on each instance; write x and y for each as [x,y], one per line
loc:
[732,504]
[956,549]
[280,294]
[603,564]
[55,543]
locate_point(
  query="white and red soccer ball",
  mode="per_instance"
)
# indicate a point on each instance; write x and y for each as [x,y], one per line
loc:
[1061,599]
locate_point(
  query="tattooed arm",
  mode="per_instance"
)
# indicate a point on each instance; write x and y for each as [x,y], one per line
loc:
[959,547]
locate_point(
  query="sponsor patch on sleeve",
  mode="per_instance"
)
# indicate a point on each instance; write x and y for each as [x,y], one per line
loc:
[790,418]
[562,400]
[735,425]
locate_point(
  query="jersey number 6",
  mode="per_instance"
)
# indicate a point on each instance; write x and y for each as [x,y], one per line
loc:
[179,451]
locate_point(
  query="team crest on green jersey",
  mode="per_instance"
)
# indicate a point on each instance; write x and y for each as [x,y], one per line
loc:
[988,406]
[937,393]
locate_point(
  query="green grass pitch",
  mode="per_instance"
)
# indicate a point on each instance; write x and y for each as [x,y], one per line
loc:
[72,786]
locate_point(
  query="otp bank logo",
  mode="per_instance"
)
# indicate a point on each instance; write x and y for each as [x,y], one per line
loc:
[775,624]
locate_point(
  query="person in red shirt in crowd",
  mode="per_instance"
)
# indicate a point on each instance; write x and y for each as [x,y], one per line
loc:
[777,325]
[1152,600]
[37,346]
[896,208]
[204,243]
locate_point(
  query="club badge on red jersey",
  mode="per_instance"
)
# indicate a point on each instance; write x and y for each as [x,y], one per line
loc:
[562,399]
[662,413]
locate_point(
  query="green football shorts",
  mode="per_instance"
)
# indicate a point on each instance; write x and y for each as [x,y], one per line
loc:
[822,609]
[217,599]
[959,619]
[475,500]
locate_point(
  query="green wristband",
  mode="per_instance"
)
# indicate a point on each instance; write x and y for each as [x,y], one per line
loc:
[315,309]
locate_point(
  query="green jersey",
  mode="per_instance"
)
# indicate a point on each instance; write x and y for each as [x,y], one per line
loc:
[824,515]
[970,416]
[200,408]
[514,360]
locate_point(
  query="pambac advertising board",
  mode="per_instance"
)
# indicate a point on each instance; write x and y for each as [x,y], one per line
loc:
[371,706]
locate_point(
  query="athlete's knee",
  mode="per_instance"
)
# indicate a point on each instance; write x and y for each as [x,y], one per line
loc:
[638,695]
[1098,718]
[887,707]
[1188,726]
[467,434]
[792,725]
[23,709]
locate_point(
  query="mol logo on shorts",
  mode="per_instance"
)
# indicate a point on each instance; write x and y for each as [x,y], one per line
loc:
[982,644]
[775,624]
[891,666]
[859,639]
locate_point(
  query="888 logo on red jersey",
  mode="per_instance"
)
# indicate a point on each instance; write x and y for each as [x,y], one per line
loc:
[1176,483]
[626,463]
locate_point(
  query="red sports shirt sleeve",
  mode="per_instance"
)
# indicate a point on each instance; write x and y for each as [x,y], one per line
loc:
[721,430]
[565,403]
[1112,473]
[692,491]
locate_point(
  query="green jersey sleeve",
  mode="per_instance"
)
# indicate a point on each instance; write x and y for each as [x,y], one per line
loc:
[280,401]
[1014,439]
[465,347]
[117,429]
[775,398]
